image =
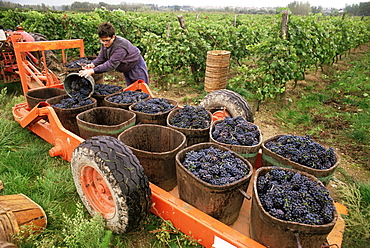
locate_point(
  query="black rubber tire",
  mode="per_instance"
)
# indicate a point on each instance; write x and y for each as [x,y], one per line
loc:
[4,244]
[234,103]
[123,174]
[52,61]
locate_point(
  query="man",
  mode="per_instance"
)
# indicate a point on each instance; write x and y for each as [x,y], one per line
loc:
[117,53]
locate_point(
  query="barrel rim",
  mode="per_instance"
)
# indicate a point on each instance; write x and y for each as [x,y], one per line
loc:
[183,143]
[79,119]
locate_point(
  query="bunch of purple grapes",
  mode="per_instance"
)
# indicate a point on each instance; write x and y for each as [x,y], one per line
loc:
[80,88]
[106,89]
[236,131]
[215,166]
[78,63]
[71,102]
[303,150]
[153,106]
[291,196]
[127,97]
[191,117]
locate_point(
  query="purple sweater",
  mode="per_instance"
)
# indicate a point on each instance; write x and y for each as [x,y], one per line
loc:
[122,56]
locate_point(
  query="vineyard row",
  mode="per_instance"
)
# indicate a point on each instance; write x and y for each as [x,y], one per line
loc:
[262,59]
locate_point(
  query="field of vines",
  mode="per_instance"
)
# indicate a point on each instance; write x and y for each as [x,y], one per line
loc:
[262,59]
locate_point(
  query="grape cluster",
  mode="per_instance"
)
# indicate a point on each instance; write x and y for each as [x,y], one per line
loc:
[71,102]
[80,88]
[153,106]
[127,97]
[215,166]
[78,63]
[291,196]
[191,117]
[236,131]
[303,150]
[106,89]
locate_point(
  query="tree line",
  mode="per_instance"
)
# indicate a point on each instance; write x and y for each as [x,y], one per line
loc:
[296,7]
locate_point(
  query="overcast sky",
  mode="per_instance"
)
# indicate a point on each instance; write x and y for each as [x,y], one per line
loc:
[196,3]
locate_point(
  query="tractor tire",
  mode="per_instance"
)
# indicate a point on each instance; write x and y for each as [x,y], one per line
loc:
[4,244]
[52,61]
[110,181]
[234,103]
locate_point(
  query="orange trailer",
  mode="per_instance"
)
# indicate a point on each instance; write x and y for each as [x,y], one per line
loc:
[44,122]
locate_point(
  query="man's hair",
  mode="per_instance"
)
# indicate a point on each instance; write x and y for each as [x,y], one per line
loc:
[106,30]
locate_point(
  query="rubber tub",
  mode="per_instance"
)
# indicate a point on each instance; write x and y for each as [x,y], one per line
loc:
[156,147]
[223,202]
[104,121]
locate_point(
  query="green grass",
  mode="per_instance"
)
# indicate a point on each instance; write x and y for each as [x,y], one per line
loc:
[356,196]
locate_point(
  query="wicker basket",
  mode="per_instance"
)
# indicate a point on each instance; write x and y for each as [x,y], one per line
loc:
[217,70]
[218,58]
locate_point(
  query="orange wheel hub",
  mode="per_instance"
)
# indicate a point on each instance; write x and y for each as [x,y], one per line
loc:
[220,115]
[97,191]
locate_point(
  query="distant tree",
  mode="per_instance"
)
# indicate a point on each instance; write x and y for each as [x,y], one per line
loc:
[364,9]
[299,8]
[316,9]
[352,9]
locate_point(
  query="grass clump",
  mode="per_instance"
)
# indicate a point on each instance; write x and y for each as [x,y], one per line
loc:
[356,196]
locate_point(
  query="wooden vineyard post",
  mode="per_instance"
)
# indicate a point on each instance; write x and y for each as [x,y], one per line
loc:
[182,21]
[168,30]
[285,24]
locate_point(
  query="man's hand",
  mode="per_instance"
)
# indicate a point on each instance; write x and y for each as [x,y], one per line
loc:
[86,72]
